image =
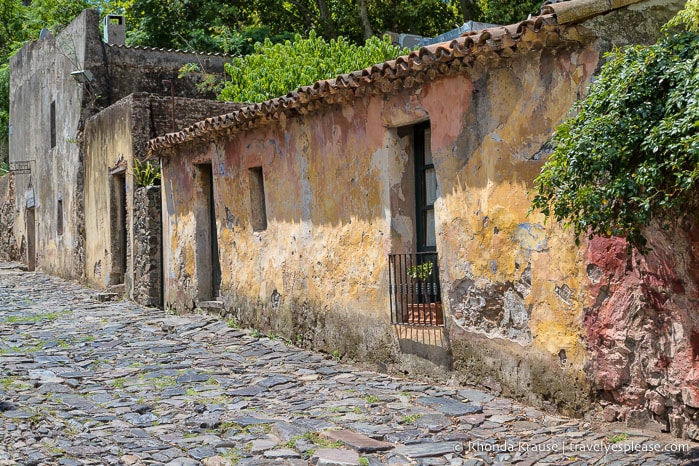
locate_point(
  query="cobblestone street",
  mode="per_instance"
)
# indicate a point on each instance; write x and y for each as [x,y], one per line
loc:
[91,382]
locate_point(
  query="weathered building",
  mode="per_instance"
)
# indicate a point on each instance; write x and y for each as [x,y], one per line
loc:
[122,249]
[61,159]
[384,215]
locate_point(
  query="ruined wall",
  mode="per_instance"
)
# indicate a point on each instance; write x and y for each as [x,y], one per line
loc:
[112,140]
[40,77]
[43,94]
[337,187]
[187,112]
[9,249]
[108,146]
[147,268]
[143,69]
[512,282]
[316,274]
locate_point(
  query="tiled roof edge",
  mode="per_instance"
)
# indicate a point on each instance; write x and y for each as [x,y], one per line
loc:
[575,11]
[406,71]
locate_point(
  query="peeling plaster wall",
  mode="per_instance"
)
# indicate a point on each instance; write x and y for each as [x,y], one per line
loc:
[40,75]
[112,139]
[317,273]
[516,290]
[513,285]
[338,186]
[108,146]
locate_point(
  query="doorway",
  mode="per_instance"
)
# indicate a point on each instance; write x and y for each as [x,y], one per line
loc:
[118,228]
[31,239]
[425,190]
[207,263]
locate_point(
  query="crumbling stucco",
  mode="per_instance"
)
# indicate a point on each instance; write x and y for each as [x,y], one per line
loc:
[642,328]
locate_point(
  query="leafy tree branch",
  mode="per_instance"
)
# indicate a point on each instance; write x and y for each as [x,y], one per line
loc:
[631,153]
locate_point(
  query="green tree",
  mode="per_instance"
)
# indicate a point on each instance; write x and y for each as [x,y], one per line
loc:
[220,25]
[507,11]
[275,69]
[179,24]
[631,153]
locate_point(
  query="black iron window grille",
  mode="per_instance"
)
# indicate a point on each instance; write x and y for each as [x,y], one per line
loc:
[415,293]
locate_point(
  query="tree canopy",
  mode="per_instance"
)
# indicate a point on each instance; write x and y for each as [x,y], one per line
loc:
[235,26]
[631,153]
[299,63]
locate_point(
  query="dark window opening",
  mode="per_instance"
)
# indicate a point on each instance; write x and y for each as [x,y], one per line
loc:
[53,124]
[258,211]
[31,239]
[426,190]
[118,228]
[59,217]
[207,260]
[414,287]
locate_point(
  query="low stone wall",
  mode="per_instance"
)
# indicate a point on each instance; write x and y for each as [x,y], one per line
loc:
[147,288]
[8,244]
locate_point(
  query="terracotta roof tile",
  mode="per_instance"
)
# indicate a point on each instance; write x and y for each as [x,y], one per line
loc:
[549,29]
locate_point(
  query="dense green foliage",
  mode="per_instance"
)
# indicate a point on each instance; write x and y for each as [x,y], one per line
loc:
[146,173]
[233,26]
[507,12]
[299,63]
[688,17]
[631,154]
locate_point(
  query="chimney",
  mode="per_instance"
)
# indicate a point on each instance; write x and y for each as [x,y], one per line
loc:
[115,29]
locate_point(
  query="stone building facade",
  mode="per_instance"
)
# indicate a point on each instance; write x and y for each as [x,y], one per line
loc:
[113,140]
[77,106]
[384,215]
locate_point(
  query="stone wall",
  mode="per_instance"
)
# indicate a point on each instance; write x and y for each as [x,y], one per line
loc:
[143,69]
[45,100]
[642,328]
[147,247]
[9,249]
[47,112]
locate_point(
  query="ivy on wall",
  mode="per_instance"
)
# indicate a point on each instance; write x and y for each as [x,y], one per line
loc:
[631,153]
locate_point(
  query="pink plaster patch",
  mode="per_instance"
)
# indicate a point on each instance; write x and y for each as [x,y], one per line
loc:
[641,322]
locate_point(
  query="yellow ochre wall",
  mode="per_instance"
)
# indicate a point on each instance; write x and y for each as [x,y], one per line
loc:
[337,200]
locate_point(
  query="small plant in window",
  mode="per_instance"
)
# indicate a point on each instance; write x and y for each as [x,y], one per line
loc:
[420,272]
[420,275]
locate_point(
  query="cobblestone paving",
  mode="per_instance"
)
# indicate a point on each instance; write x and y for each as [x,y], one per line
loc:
[90,382]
